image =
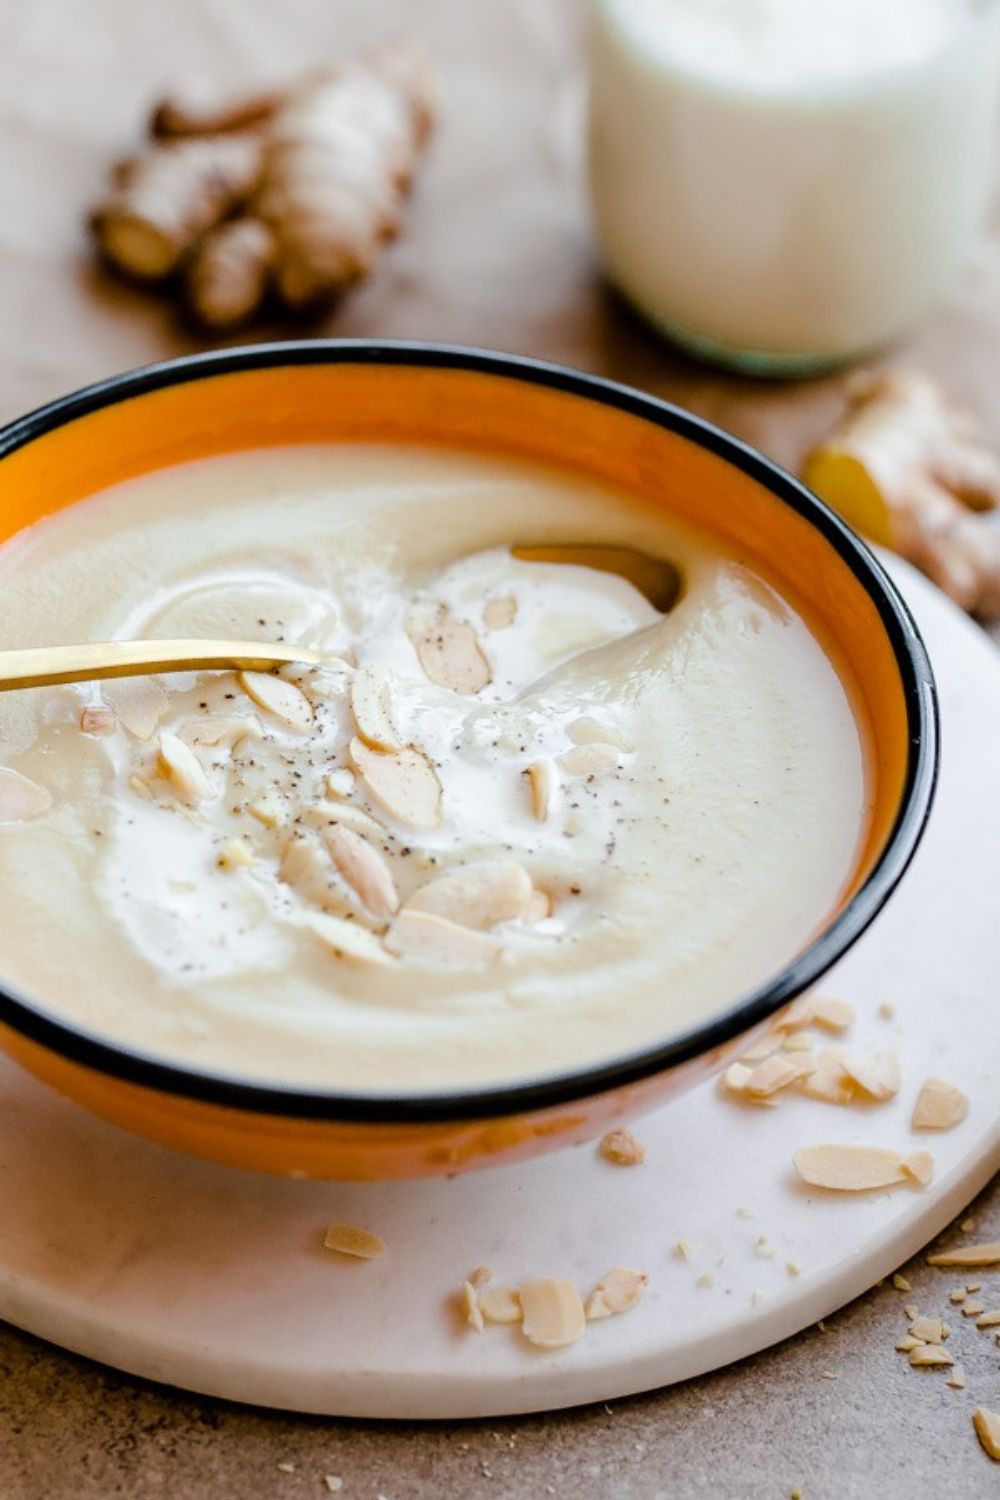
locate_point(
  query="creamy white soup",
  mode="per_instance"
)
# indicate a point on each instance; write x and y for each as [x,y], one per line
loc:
[517,821]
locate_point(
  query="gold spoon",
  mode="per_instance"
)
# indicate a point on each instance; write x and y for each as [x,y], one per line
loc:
[45,665]
[658,580]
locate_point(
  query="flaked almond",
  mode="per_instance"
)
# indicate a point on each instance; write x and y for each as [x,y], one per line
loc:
[796,1015]
[912,1311]
[901,1284]
[990,1319]
[347,1239]
[616,1292]
[972,1308]
[324,815]
[958,1295]
[404,782]
[365,870]
[537,908]
[919,1165]
[849,1169]
[776,1073]
[306,866]
[181,768]
[591,760]
[939,1106]
[469,1300]
[736,1077]
[684,1250]
[542,785]
[346,939]
[271,809]
[98,721]
[235,855]
[21,799]
[829,1082]
[340,783]
[987,1425]
[834,1015]
[797,1041]
[588,731]
[621,1147]
[500,1305]
[552,1312]
[450,654]
[987,1254]
[930,1356]
[477,895]
[956,1378]
[765,1046]
[500,613]
[927,1330]
[223,729]
[424,938]
[139,702]
[480,1276]
[876,1076]
[906,1344]
[281,699]
[371,690]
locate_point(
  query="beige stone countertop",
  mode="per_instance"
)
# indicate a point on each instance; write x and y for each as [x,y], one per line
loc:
[497,253]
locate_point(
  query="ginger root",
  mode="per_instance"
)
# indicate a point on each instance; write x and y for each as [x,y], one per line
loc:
[289,192]
[911,472]
[164,201]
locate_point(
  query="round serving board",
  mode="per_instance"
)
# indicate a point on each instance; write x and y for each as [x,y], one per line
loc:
[215,1279]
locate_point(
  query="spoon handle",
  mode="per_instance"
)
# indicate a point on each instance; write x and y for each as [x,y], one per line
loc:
[44,665]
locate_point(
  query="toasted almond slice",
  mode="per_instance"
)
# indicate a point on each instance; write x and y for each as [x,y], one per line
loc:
[834,1015]
[552,1312]
[477,895]
[901,1284]
[325,815]
[930,1355]
[281,699]
[877,1076]
[537,908]
[364,869]
[179,765]
[500,1305]
[957,1378]
[971,1308]
[987,1254]
[500,613]
[404,782]
[987,1425]
[340,783]
[939,1106]
[736,1077]
[849,1169]
[829,1081]
[451,655]
[235,855]
[542,784]
[920,1166]
[591,760]
[927,1330]
[139,702]
[370,704]
[21,799]
[470,1306]
[271,809]
[906,1344]
[347,939]
[912,1312]
[347,1239]
[424,938]
[98,721]
[990,1319]
[588,731]
[621,1147]
[616,1292]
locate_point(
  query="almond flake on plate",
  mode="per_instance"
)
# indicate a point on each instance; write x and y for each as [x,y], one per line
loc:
[771,1075]
[621,1147]
[347,1239]
[829,1082]
[498,1304]
[834,1015]
[371,705]
[877,1076]
[470,1306]
[21,799]
[736,1077]
[987,1254]
[477,895]
[403,781]
[281,699]
[616,1292]
[552,1312]
[850,1169]
[939,1106]
[919,1165]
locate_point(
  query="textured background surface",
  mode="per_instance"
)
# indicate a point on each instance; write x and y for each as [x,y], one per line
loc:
[497,253]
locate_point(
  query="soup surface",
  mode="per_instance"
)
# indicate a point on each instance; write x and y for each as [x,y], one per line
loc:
[518,821]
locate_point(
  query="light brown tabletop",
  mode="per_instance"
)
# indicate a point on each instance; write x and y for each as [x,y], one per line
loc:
[498,253]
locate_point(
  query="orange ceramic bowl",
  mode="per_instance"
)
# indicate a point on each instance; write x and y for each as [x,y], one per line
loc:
[343,392]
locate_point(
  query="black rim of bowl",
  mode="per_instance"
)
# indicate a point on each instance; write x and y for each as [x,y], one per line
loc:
[118,1061]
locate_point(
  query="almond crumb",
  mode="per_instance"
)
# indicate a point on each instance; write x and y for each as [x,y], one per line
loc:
[334,1483]
[706,1279]
[911,1311]
[621,1147]
[346,1239]
[746,1213]
[887,1011]
[470,1306]
[684,1250]
[736,1077]
[271,809]
[235,855]
[480,1276]
[500,1305]
[793,1268]
[771,1075]
[371,706]
[901,1284]
[919,1165]
[764,1248]
[968,1226]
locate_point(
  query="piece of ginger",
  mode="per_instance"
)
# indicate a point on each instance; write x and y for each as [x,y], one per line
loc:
[227,275]
[167,199]
[910,471]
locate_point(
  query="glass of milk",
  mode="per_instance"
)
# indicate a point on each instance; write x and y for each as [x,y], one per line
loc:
[782,185]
